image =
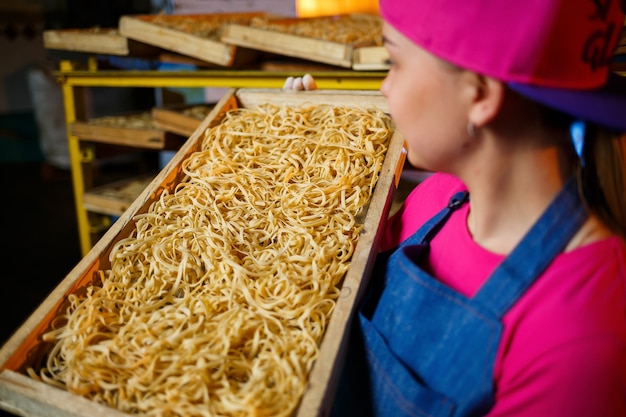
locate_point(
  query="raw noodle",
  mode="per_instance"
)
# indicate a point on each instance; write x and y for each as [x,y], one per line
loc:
[217,302]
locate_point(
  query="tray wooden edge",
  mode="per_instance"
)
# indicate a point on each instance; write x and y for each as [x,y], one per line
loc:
[370,58]
[175,40]
[72,40]
[175,121]
[28,397]
[107,42]
[287,44]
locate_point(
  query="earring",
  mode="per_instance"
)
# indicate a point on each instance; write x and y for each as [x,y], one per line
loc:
[471,129]
[577,134]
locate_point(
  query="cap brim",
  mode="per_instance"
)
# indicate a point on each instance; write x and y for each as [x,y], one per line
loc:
[605,106]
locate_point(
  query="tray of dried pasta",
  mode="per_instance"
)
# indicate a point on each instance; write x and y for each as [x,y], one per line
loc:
[226,288]
[194,35]
[347,40]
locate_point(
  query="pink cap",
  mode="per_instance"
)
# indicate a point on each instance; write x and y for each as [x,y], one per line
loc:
[551,43]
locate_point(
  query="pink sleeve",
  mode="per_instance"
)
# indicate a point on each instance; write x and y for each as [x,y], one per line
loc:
[563,351]
[430,196]
[560,384]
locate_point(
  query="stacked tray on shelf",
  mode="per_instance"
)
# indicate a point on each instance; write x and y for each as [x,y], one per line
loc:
[348,41]
[236,40]
[96,40]
[162,128]
[197,36]
[135,130]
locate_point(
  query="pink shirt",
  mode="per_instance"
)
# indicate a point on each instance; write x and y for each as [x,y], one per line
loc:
[563,348]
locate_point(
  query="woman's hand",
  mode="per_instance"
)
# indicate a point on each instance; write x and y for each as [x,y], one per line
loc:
[305,82]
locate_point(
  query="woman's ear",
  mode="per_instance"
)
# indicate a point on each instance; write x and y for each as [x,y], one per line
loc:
[487,99]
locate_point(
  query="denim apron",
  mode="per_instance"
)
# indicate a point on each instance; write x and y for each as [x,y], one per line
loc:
[419,348]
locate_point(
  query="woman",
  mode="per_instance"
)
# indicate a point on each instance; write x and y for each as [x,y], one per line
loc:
[502,287]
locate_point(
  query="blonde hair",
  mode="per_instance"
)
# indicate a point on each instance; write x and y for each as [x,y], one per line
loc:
[603,178]
[602,175]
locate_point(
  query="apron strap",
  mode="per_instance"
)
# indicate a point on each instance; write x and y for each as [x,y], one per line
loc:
[543,242]
[429,229]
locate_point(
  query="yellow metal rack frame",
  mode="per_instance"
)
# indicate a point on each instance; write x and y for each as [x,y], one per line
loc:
[72,80]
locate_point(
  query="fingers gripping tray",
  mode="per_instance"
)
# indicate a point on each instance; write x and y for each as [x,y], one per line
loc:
[227,286]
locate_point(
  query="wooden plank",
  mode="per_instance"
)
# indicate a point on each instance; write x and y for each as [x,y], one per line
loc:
[97,41]
[140,138]
[29,398]
[182,120]
[136,129]
[370,58]
[289,45]
[253,97]
[196,36]
[115,198]
[26,396]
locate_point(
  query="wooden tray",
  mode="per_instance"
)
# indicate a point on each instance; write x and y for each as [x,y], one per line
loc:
[114,199]
[197,36]
[135,129]
[23,395]
[370,58]
[97,41]
[331,40]
[182,120]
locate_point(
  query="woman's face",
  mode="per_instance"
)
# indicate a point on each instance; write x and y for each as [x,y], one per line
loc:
[424,98]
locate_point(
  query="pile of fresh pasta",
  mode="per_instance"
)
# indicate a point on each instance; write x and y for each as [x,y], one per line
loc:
[217,302]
